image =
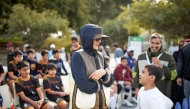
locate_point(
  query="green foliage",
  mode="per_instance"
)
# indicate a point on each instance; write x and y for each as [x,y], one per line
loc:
[76,11]
[130,24]
[34,27]
[103,10]
[6,9]
[120,28]
[170,18]
[59,43]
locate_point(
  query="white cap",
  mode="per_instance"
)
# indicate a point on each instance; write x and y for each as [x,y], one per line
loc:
[25,45]
[107,47]
[130,49]
[52,46]
[63,48]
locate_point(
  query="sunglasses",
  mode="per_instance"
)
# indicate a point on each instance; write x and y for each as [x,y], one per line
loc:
[98,39]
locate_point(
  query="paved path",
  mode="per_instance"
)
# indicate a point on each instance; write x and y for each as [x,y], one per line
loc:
[124,107]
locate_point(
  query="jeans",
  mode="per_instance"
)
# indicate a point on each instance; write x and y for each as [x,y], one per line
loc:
[186,88]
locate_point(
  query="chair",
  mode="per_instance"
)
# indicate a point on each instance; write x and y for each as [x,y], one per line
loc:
[5,69]
[177,106]
[16,98]
[5,93]
[71,88]
[185,104]
[65,81]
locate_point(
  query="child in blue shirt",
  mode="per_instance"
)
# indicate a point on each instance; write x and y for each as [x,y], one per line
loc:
[33,63]
[59,63]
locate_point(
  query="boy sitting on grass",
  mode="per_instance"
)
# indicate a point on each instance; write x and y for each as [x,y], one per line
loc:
[29,90]
[54,88]
[149,96]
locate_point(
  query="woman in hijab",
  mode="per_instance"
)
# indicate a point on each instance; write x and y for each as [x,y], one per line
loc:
[89,69]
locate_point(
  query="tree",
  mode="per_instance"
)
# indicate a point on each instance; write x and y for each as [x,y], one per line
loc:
[34,27]
[170,18]
[119,32]
[76,11]
[102,10]
[6,10]
[121,27]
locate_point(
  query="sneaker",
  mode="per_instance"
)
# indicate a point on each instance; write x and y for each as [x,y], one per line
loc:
[134,100]
[127,103]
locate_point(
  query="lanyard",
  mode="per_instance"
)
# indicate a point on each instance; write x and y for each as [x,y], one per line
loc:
[148,58]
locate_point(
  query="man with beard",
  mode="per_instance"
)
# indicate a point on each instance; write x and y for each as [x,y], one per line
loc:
[155,54]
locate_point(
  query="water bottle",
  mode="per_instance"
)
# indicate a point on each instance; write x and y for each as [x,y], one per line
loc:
[1,100]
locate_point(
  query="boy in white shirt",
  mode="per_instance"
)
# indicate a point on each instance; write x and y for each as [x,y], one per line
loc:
[149,96]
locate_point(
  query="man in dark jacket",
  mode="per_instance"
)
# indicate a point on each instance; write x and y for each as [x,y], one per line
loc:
[183,68]
[89,69]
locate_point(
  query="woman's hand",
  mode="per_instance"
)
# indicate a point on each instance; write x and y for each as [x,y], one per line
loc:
[97,74]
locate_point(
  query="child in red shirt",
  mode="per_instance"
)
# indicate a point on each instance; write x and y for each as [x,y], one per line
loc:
[122,76]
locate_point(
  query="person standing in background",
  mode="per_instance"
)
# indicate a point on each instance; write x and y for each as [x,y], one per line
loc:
[118,52]
[25,57]
[75,45]
[173,48]
[124,49]
[10,49]
[102,50]
[107,49]
[38,55]
[52,47]
[184,69]
[186,41]
[130,59]
[177,93]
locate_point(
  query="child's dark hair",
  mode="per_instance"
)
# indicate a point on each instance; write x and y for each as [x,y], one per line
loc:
[56,51]
[16,53]
[74,39]
[156,71]
[44,52]
[28,47]
[115,45]
[51,66]
[22,64]
[124,57]
[30,51]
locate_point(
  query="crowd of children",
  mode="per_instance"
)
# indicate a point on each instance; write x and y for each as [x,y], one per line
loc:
[25,74]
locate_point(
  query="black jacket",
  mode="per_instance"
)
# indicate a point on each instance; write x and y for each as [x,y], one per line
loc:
[183,65]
